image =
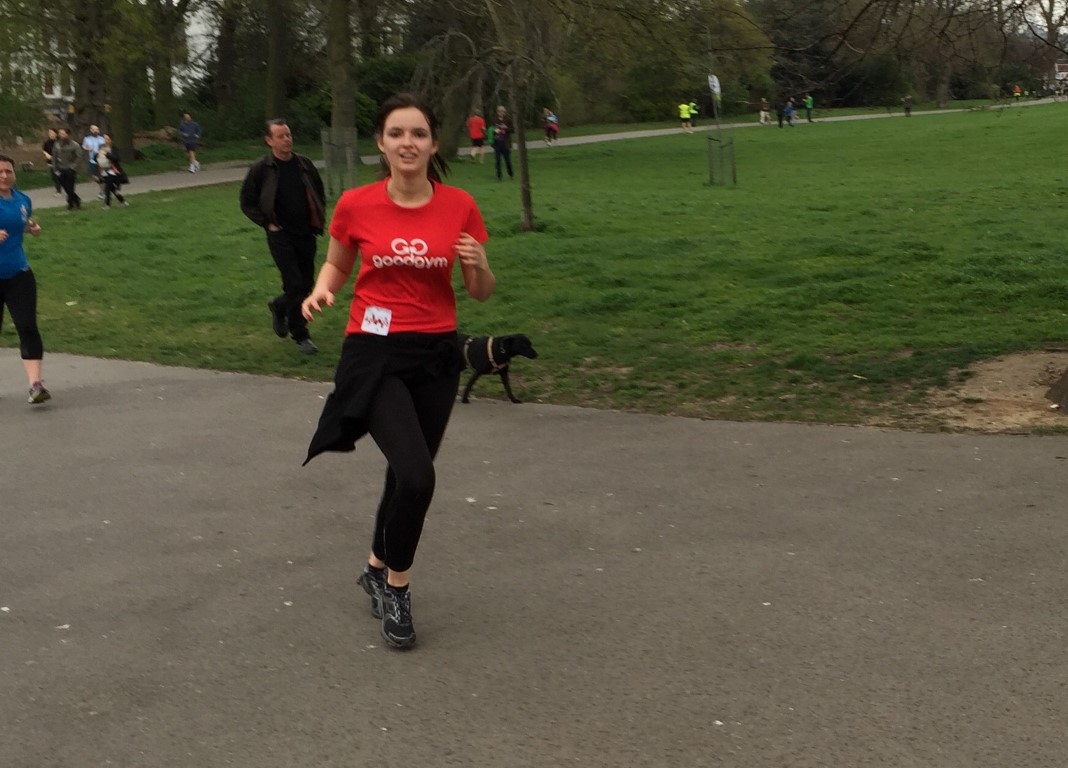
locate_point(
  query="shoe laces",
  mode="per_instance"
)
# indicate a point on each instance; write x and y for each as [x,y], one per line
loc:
[398,606]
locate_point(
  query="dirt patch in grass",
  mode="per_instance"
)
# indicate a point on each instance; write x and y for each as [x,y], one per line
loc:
[1004,394]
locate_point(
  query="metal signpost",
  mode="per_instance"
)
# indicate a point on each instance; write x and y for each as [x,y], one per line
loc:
[721,165]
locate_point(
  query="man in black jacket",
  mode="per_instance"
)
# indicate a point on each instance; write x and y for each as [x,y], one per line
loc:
[284,194]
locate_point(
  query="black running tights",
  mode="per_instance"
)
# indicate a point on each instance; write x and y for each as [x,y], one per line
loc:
[407,421]
[19,293]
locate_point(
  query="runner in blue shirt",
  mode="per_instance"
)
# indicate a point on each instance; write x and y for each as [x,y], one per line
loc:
[18,287]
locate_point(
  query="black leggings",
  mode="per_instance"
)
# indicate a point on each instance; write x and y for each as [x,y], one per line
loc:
[112,187]
[19,293]
[407,421]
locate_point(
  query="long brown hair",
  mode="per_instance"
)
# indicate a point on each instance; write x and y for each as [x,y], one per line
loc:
[437,169]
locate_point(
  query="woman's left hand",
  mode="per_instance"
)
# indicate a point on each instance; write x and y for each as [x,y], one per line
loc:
[33,228]
[471,253]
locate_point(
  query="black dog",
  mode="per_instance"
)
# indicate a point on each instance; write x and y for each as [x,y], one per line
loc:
[491,354]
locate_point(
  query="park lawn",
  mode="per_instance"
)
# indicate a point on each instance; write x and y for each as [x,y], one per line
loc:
[854,267]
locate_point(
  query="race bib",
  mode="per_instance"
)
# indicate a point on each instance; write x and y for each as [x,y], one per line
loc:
[376,320]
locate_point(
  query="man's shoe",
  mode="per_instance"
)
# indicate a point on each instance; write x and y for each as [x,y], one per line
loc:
[373,582]
[106,207]
[38,394]
[397,626]
[307,347]
[278,321]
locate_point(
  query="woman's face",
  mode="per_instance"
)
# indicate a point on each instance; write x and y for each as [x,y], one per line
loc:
[406,141]
[7,177]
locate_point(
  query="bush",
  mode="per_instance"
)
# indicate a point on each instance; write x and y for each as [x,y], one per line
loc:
[20,116]
[384,76]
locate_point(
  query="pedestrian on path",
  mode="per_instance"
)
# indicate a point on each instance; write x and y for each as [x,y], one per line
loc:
[66,155]
[400,363]
[91,144]
[189,134]
[684,117]
[906,103]
[284,194]
[476,131]
[46,150]
[552,126]
[502,142]
[111,173]
[809,104]
[765,118]
[18,286]
[788,111]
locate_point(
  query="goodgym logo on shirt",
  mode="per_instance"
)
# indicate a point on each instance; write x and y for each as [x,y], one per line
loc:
[410,254]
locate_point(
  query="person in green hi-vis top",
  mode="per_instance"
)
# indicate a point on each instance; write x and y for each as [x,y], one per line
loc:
[809,102]
[684,117]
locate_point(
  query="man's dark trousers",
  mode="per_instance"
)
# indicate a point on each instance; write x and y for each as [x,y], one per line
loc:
[295,257]
[66,180]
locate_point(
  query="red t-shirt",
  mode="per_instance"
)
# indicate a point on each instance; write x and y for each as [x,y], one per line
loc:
[476,127]
[406,256]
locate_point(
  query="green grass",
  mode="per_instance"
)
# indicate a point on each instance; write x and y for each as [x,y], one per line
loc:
[854,267]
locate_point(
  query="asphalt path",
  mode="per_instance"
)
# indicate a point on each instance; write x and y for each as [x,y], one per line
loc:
[594,588]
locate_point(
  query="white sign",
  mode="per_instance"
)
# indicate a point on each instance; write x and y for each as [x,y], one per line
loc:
[713,85]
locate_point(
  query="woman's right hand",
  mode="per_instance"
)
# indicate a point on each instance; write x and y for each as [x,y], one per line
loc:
[315,301]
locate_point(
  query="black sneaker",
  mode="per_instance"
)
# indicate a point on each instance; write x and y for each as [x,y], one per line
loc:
[373,582]
[397,626]
[278,321]
[307,347]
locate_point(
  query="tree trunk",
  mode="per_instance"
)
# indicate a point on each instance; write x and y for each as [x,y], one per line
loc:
[342,156]
[526,200]
[121,115]
[164,104]
[169,17]
[477,85]
[339,55]
[942,86]
[89,76]
[369,31]
[226,55]
[277,59]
